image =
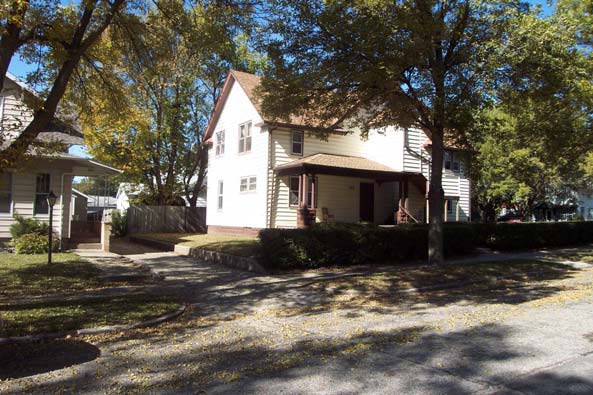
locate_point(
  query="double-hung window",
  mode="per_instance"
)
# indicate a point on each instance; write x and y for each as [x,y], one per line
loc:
[245,137]
[297,139]
[451,161]
[220,143]
[41,193]
[248,184]
[5,193]
[220,194]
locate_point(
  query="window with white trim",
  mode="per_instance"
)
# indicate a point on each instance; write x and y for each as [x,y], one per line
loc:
[297,140]
[5,193]
[220,194]
[41,192]
[248,184]
[219,143]
[245,137]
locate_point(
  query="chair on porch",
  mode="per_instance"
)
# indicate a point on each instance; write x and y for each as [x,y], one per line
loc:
[326,216]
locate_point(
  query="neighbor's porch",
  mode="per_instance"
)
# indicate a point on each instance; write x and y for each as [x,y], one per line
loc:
[333,188]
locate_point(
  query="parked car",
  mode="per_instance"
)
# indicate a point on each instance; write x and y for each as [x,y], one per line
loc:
[510,217]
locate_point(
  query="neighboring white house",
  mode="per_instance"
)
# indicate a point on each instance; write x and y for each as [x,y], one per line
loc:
[24,189]
[261,172]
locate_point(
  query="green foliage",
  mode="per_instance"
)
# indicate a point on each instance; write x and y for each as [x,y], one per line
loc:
[119,223]
[24,226]
[353,244]
[34,243]
[519,236]
[165,74]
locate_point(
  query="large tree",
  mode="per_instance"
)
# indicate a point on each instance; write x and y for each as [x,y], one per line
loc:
[533,137]
[149,116]
[56,38]
[379,63]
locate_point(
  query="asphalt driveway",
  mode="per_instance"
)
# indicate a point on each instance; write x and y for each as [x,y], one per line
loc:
[296,334]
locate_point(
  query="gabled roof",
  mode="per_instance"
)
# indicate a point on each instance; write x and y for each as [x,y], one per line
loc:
[249,83]
[63,128]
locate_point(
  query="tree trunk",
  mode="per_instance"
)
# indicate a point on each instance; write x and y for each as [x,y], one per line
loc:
[436,254]
[10,40]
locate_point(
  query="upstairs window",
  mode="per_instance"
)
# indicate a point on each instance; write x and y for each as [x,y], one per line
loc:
[245,137]
[41,193]
[297,142]
[451,161]
[5,193]
[220,143]
[248,184]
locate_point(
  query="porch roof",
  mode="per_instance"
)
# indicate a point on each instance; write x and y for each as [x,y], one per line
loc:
[80,166]
[346,166]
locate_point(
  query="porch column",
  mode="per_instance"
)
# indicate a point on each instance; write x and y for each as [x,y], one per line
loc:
[313,191]
[406,199]
[305,189]
[446,209]
[457,212]
[427,211]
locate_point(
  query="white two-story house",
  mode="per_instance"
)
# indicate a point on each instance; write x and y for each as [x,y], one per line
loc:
[264,174]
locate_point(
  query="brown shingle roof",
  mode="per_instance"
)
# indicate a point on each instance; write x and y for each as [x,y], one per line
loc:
[249,83]
[353,166]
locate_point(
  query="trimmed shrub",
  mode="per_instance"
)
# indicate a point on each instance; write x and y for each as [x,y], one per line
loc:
[119,223]
[33,243]
[24,226]
[517,236]
[353,244]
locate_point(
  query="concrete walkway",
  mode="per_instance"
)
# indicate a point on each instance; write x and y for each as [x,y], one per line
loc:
[291,334]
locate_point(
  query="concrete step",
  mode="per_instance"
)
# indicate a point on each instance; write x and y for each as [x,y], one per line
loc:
[86,246]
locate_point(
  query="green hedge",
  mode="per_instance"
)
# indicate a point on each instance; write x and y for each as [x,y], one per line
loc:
[352,244]
[520,236]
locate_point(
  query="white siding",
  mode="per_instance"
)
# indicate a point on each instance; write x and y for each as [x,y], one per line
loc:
[283,215]
[384,146]
[15,114]
[239,209]
[23,196]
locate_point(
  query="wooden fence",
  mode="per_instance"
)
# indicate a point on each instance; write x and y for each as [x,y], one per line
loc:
[166,219]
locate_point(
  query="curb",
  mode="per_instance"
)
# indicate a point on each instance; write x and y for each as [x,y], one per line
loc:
[94,331]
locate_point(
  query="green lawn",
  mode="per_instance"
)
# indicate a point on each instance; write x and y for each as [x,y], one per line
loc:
[47,317]
[234,245]
[29,275]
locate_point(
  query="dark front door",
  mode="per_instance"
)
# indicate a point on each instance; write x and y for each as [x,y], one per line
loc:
[367,202]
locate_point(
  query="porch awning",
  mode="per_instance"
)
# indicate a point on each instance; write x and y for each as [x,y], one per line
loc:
[80,166]
[345,166]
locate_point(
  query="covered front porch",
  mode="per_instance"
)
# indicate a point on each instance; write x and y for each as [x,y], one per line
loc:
[335,188]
